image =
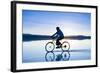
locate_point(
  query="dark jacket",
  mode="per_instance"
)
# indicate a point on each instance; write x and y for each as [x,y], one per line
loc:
[58,34]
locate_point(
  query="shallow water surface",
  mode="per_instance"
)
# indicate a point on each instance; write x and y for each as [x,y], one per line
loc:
[34,51]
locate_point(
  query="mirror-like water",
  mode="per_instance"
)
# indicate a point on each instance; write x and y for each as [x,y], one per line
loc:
[34,51]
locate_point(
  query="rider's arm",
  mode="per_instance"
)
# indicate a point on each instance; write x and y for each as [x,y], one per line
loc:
[54,35]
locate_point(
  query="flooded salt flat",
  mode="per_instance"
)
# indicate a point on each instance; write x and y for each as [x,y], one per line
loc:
[34,51]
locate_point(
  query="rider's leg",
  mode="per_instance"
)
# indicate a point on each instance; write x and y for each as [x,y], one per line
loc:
[58,43]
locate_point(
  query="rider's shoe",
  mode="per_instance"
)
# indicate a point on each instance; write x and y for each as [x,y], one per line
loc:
[58,46]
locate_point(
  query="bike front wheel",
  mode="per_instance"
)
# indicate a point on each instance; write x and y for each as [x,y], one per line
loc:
[49,46]
[65,46]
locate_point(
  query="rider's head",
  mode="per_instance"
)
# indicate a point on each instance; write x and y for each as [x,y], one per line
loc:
[57,28]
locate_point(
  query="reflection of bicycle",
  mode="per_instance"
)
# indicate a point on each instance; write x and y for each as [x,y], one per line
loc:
[53,56]
[50,46]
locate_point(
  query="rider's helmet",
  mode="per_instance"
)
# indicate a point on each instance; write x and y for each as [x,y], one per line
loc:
[57,28]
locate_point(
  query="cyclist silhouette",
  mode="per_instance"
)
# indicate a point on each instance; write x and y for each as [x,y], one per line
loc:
[59,36]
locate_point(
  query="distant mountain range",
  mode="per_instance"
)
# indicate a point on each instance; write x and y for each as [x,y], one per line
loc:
[30,37]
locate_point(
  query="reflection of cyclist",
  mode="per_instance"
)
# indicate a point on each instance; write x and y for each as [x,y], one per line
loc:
[59,35]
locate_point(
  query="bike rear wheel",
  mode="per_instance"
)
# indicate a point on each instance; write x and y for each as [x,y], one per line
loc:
[65,46]
[49,46]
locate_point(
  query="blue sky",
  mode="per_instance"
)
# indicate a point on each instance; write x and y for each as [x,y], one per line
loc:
[45,22]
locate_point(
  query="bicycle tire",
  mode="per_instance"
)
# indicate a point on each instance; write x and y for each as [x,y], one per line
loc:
[68,46]
[53,46]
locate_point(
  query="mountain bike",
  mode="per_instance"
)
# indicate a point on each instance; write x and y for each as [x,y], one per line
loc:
[50,46]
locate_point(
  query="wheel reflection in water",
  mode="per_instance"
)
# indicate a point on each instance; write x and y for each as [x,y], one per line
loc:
[66,56]
[53,56]
[50,56]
